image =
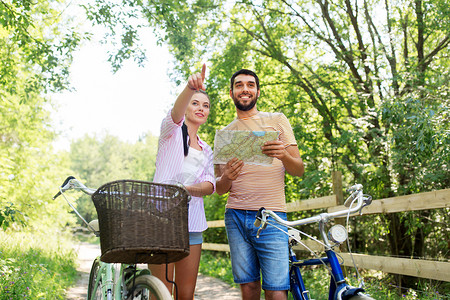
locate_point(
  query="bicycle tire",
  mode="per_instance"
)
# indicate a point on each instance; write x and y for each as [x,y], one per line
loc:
[148,287]
[92,278]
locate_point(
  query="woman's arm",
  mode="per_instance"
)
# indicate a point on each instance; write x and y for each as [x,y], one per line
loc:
[200,189]
[195,82]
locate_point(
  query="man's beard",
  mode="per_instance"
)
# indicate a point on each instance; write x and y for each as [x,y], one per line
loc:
[243,107]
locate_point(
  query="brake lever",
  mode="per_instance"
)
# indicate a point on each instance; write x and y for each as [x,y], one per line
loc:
[258,232]
[367,199]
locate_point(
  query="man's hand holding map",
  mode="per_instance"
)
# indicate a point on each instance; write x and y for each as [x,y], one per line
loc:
[244,145]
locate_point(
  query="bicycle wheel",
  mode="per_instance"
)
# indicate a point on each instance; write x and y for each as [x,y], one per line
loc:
[148,287]
[92,279]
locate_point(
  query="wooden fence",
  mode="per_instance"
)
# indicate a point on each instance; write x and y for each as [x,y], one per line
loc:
[437,270]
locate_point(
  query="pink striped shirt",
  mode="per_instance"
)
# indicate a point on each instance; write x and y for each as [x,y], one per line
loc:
[169,163]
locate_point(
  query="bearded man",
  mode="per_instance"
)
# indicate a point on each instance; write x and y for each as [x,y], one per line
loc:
[250,187]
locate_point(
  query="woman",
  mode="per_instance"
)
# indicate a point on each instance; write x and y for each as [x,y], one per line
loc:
[184,157]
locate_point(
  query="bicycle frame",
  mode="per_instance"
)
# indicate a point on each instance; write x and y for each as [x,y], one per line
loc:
[105,274]
[114,279]
[298,288]
[338,288]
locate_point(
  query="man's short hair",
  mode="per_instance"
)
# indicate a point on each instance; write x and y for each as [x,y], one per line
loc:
[245,72]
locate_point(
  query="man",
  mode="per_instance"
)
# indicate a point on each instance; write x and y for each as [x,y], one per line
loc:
[253,186]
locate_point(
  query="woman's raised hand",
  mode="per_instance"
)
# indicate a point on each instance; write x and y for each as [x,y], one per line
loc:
[196,80]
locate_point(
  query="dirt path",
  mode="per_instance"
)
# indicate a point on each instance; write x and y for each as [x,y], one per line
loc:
[86,255]
[207,287]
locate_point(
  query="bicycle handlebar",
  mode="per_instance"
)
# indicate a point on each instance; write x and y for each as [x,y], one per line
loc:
[72,183]
[355,187]
[357,193]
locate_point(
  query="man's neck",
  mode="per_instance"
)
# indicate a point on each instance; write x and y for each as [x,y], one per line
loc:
[246,114]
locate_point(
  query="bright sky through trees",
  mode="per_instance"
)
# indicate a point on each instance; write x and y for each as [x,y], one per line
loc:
[126,104]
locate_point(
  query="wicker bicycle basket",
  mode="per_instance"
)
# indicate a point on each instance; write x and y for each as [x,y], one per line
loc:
[142,222]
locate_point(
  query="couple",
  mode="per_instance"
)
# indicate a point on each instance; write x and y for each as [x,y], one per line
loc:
[184,157]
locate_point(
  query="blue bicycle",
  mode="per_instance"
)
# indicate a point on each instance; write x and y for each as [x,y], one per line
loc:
[339,288]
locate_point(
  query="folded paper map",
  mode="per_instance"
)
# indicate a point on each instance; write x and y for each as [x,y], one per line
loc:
[244,145]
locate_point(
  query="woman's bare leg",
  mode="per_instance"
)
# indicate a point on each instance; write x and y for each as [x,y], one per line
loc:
[186,271]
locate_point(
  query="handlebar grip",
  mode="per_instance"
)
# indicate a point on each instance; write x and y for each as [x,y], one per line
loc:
[257,222]
[63,185]
[67,180]
[57,195]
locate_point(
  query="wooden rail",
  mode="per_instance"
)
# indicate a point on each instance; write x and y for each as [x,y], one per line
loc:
[422,201]
[437,270]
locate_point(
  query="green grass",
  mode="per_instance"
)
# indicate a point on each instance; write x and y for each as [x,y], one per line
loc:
[35,266]
[87,238]
[218,264]
[380,287]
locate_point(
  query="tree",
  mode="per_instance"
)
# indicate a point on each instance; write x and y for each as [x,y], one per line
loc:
[36,44]
[35,52]
[96,160]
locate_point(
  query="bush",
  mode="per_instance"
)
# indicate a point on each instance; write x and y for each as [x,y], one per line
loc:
[35,266]
[218,265]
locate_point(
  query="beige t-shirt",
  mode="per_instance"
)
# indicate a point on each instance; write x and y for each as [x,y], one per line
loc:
[261,186]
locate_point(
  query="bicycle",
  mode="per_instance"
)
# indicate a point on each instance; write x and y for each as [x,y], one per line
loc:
[339,289]
[138,222]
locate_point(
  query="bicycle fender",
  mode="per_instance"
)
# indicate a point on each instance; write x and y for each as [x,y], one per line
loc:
[138,273]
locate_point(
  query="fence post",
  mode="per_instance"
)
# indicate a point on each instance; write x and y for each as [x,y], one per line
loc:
[337,187]
[338,191]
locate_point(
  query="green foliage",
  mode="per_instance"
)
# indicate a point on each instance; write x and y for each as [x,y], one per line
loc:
[215,210]
[217,264]
[31,269]
[122,22]
[420,142]
[28,165]
[9,215]
[381,288]
[35,46]
[173,22]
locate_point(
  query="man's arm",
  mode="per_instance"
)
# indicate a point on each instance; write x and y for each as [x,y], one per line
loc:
[293,163]
[289,156]
[225,178]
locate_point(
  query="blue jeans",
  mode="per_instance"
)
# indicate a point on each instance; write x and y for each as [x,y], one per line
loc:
[250,256]
[195,238]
